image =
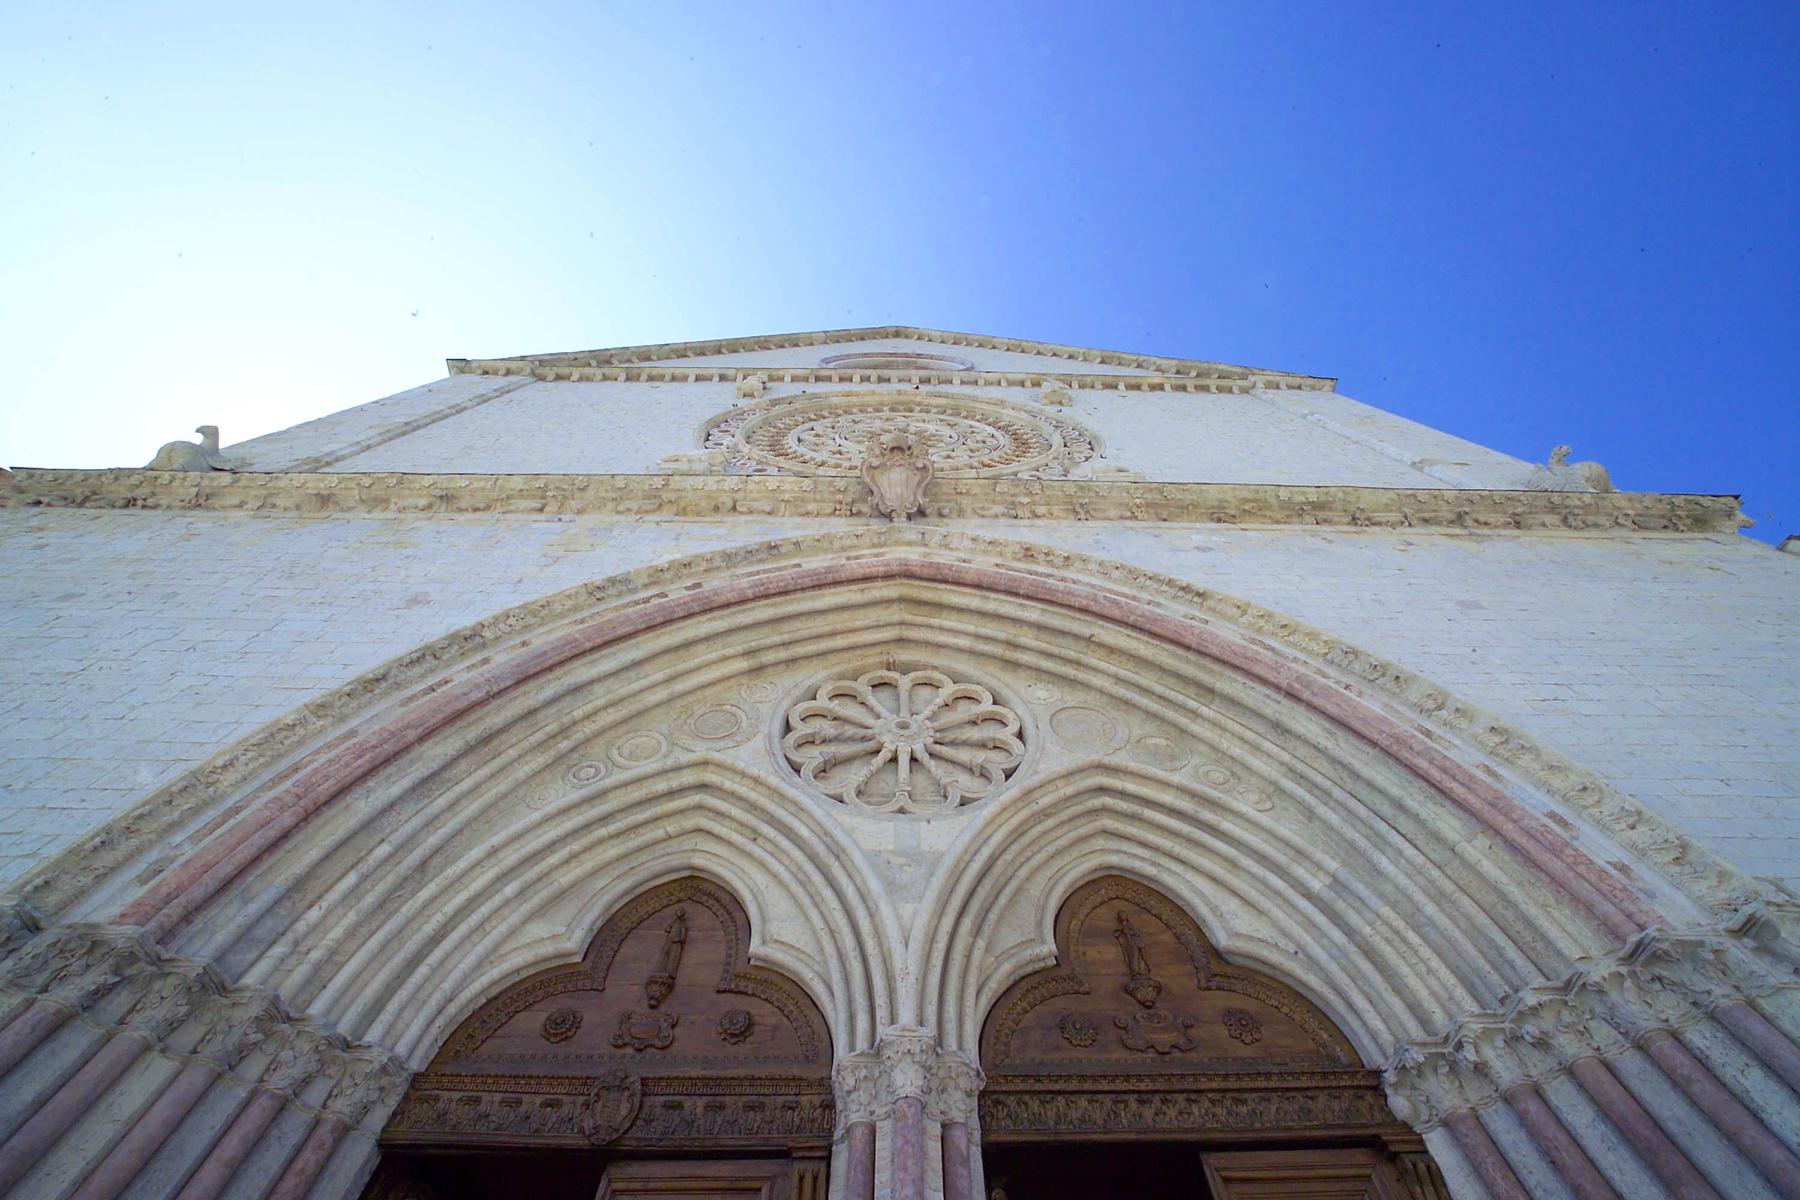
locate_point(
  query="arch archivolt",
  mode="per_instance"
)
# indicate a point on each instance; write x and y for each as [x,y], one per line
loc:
[488,821]
[393,856]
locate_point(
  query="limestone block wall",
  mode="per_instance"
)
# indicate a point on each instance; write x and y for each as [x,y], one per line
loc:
[135,644]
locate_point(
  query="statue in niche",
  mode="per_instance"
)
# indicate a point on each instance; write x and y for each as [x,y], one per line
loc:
[662,980]
[1142,987]
[897,468]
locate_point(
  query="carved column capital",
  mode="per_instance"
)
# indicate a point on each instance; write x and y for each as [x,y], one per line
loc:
[908,1054]
[1657,984]
[956,1085]
[856,1088]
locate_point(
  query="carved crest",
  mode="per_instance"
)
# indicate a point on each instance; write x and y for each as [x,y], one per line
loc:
[897,467]
[611,1106]
[645,1031]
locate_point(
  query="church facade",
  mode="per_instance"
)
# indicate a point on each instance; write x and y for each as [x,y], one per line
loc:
[891,763]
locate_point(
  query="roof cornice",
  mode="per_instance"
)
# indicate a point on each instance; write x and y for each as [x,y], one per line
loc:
[618,356]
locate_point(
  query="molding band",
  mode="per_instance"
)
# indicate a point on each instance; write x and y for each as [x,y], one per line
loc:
[715,497]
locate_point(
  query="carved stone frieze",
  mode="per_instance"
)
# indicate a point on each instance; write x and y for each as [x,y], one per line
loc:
[1146,1107]
[616,1108]
[716,496]
[1659,983]
[917,741]
[116,980]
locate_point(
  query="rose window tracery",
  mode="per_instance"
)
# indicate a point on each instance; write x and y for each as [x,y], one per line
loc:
[915,741]
[965,436]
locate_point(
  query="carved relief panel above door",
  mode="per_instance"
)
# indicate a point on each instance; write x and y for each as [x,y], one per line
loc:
[1137,987]
[663,1035]
[1141,1029]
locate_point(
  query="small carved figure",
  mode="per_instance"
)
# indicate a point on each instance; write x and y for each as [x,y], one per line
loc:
[1055,392]
[897,469]
[736,1026]
[561,1025]
[1561,475]
[1078,1030]
[192,456]
[1142,987]
[668,962]
[751,386]
[1242,1026]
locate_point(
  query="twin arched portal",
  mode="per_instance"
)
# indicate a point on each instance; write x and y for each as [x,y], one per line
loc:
[873,775]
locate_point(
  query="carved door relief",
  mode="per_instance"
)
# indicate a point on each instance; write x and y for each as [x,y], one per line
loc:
[662,1038]
[1142,1031]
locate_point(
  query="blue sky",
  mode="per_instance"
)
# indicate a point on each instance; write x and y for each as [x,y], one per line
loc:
[1523,223]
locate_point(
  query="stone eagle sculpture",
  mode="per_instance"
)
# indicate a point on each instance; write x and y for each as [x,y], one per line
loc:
[192,456]
[1561,475]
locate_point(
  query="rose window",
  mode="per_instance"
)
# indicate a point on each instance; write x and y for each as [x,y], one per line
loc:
[903,742]
[965,436]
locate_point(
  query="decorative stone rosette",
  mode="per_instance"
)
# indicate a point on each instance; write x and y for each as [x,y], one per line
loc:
[963,436]
[917,741]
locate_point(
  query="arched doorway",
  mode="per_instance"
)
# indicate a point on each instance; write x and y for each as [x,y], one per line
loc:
[661,1064]
[1142,1064]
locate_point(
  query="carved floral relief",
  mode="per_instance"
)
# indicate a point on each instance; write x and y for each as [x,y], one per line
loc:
[917,741]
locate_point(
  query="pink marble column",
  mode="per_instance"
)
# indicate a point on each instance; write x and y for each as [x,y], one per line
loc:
[152,1129]
[71,1101]
[27,1029]
[1642,1131]
[229,1152]
[959,1179]
[1728,1114]
[859,1161]
[1582,1176]
[310,1159]
[1486,1158]
[1776,1050]
[909,1148]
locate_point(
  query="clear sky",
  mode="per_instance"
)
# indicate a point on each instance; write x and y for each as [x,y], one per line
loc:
[1525,223]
